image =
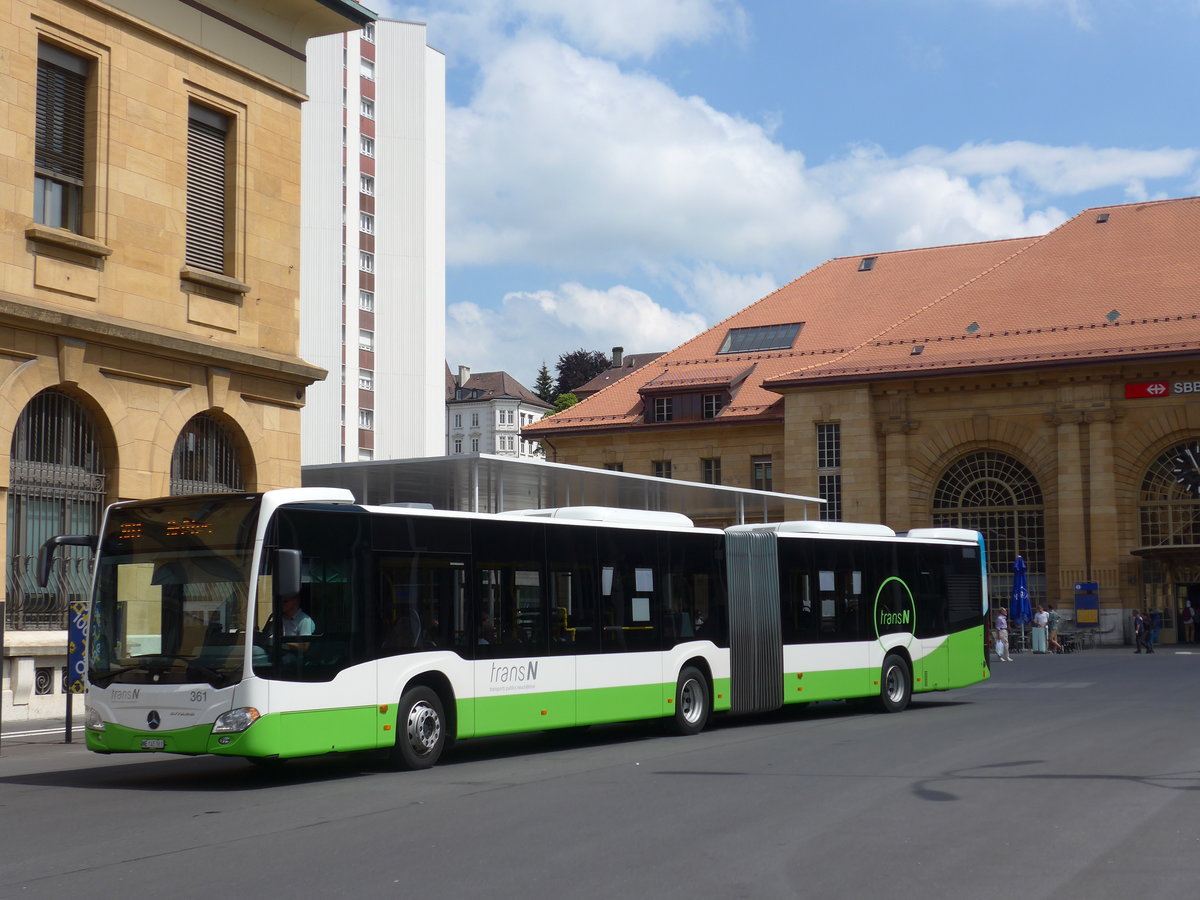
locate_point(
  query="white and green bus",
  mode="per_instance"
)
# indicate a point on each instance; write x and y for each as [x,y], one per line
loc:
[430,626]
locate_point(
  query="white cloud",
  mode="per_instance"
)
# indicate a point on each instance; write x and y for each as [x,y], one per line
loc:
[572,163]
[567,161]
[1064,170]
[619,29]
[531,327]
[714,292]
[921,201]
[634,28]
[566,158]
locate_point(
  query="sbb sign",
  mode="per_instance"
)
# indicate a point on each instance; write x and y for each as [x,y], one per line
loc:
[1161,389]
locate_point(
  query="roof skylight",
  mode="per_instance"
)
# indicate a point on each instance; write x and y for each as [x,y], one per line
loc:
[762,337]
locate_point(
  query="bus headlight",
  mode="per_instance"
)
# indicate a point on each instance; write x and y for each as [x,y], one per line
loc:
[93,720]
[236,720]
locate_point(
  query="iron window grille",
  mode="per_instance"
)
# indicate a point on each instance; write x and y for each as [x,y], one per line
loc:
[205,459]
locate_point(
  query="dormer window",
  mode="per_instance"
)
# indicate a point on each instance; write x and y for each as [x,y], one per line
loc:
[712,405]
[763,337]
[867,263]
[664,409]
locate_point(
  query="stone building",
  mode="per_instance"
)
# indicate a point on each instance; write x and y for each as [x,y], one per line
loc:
[1041,390]
[150,190]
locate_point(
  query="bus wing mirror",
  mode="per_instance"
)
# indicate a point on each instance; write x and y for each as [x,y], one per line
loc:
[46,553]
[287,572]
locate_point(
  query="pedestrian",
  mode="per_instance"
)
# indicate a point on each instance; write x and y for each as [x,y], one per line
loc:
[1139,631]
[1188,618]
[1001,632]
[1054,621]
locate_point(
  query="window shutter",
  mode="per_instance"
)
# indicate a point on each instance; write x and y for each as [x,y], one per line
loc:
[61,105]
[206,191]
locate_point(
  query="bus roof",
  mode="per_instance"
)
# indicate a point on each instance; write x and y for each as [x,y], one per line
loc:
[612,514]
[944,534]
[844,529]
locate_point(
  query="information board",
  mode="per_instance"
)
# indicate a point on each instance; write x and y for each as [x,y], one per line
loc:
[1087,604]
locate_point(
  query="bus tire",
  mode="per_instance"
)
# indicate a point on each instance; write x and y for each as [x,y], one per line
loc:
[691,701]
[420,729]
[895,684]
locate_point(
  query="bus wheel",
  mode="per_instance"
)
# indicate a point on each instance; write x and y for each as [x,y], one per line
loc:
[895,684]
[691,702]
[420,729]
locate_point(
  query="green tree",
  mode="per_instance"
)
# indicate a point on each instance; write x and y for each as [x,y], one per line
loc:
[565,401]
[577,368]
[544,386]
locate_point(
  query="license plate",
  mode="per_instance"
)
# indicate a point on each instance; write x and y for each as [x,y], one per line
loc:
[153,744]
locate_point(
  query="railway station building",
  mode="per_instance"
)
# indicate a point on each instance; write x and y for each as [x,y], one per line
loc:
[1044,391]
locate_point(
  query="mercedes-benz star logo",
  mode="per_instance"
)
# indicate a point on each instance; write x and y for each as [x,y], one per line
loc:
[152,719]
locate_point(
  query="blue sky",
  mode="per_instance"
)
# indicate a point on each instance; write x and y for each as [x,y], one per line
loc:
[630,172]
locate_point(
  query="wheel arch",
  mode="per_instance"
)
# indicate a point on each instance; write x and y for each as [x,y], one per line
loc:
[439,683]
[904,655]
[701,664]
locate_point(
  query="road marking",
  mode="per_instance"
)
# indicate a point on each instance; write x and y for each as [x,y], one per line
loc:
[1062,685]
[41,732]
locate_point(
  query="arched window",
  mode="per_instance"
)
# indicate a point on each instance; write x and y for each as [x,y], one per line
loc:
[205,459]
[993,493]
[57,487]
[1169,502]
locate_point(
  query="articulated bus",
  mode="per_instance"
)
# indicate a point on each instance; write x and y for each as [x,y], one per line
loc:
[420,627]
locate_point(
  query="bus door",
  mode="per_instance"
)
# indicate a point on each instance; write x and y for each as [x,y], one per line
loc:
[622,678]
[422,625]
[933,584]
[314,646]
[519,684]
[844,607]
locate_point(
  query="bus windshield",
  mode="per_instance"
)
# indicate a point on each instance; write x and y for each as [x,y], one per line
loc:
[172,579]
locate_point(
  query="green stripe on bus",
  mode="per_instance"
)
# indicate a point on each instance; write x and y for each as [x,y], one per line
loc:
[968,663]
[830,684]
[119,739]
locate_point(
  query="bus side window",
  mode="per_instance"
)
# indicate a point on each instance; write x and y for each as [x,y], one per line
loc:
[630,592]
[510,594]
[574,580]
[840,585]
[422,603]
[693,591]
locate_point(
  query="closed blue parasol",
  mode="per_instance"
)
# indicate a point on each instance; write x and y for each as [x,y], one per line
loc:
[1019,612]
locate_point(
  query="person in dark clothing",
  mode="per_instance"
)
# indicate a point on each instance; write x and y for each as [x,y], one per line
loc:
[1141,632]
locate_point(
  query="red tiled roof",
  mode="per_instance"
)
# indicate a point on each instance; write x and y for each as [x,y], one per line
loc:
[631,363]
[696,377]
[1126,288]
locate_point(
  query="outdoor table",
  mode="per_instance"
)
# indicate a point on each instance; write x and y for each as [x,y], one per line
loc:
[1016,640]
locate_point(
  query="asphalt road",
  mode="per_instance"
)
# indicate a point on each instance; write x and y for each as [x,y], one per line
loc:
[1065,776]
